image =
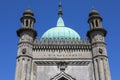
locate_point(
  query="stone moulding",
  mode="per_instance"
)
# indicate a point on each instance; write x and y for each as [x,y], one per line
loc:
[68,62]
[61,47]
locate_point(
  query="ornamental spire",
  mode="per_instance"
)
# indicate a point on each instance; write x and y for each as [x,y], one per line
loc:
[60,13]
[60,22]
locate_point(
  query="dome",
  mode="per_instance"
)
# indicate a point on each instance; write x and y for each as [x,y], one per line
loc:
[93,12]
[28,11]
[61,32]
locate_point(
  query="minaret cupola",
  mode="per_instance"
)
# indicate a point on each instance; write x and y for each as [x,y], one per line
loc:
[27,27]
[28,19]
[95,20]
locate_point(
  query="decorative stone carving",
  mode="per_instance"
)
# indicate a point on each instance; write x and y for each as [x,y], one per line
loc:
[62,65]
[24,50]
[100,51]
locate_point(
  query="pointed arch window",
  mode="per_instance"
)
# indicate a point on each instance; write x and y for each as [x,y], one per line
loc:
[63,76]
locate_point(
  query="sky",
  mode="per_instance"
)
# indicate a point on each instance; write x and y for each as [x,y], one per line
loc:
[75,16]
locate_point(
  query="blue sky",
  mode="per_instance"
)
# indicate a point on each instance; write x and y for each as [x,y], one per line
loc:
[75,16]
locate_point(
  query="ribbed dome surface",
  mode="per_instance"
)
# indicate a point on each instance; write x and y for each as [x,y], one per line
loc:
[61,32]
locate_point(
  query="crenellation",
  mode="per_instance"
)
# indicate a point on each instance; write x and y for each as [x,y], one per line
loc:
[59,46]
[62,48]
[61,41]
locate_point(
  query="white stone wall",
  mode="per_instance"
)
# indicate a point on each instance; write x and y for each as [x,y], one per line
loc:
[62,54]
[77,72]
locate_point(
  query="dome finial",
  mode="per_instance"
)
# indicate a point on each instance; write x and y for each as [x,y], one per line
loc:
[93,7]
[28,7]
[60,13]
[93,12]
[60,21]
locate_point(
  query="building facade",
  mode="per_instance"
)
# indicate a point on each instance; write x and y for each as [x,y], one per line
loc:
[61,54]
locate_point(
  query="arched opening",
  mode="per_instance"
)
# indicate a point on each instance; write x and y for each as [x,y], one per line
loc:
[96,23]
[26,22]
[62,78]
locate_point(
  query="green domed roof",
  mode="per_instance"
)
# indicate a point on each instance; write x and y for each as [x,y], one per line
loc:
[61,32]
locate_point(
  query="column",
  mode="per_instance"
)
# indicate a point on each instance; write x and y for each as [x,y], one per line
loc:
[29,69]
[32,24]
[94,23]
[96,69]
[91,25]
[107,70]
[29,23]
[24,22]
[23,73]
[102,69]
[17,70]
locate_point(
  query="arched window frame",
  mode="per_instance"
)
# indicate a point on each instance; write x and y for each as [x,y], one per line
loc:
[62,74]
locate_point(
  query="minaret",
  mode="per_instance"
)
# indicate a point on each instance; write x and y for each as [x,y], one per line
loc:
[26,35]
[96,35]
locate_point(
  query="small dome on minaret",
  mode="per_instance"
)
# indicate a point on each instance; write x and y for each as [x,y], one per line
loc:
[94,13]
[28,12]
